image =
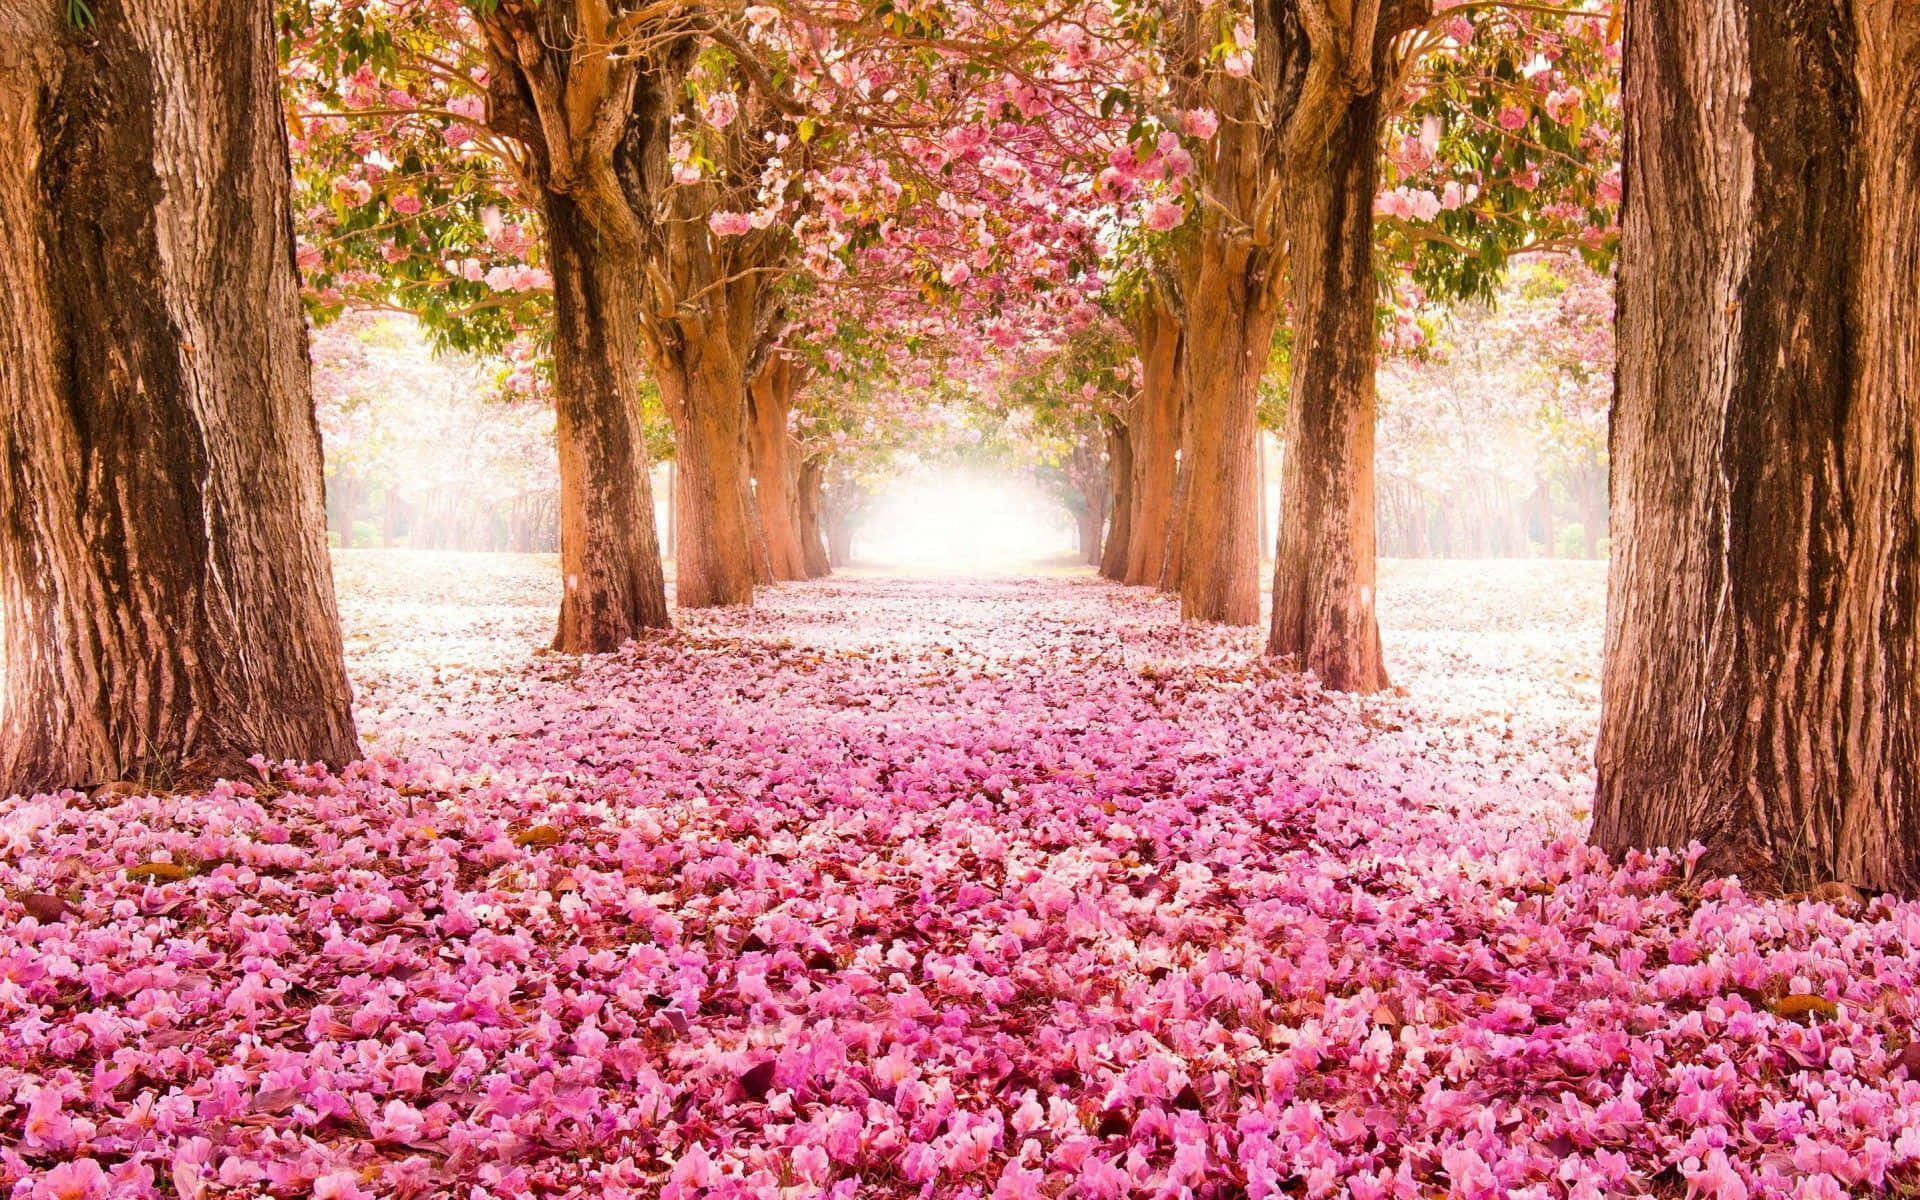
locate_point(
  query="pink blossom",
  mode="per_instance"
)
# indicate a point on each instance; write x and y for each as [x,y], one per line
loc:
[1164,214]
[76,1179]
[1713,1179]
[340,1185]
[1201,123]
[720,109]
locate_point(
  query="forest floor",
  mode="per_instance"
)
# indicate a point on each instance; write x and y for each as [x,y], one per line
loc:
[1006,888]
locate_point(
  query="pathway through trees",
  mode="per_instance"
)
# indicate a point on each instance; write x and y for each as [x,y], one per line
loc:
[1000,885]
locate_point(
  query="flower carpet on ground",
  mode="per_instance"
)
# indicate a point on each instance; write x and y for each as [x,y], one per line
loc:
[890,887]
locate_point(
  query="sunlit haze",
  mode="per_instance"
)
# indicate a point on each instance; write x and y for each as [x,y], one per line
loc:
[964,521]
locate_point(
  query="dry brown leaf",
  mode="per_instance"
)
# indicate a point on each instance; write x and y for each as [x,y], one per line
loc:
[158,872]
[44,908]
[1843,896]
[1804,1008]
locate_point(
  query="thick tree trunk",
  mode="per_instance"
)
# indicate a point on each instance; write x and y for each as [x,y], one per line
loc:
[609,551]
[706,396]
[1113,552]
[776,478]
[168,607]
[762,565]
[1155,442]
[813,544]
[1229,330]
[1323,573]
[1761,692]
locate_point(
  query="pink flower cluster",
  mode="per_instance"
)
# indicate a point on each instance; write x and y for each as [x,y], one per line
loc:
[1008,890]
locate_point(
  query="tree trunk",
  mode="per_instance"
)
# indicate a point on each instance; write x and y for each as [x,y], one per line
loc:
[1593,507]
[1113,553]
[776,479]
[673,512]
[1155,442]
[843,501]
[840,542]
[1323,573]
[1761,692]
[609,552]
[1087,475]
[813,545]
[1169,580]
[1088,522]
[168,608]
[706,396]
[1229,330]
[1260,454]
[342,494]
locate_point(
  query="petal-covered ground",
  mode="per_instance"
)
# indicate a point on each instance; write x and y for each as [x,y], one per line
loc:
[932,887]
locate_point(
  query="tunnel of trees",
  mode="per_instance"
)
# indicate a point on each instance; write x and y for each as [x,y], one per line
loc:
[1292,278]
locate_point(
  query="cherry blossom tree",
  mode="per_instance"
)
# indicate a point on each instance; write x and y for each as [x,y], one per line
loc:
[1257,160]
[464,171]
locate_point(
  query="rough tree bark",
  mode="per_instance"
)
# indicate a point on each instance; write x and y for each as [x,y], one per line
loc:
[1113,552]
[704,390]
[168,607]
[609,551]
[1323,573]
[1761,691]
[1229,330]
[810,486]
[1155,440]
[776,477]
